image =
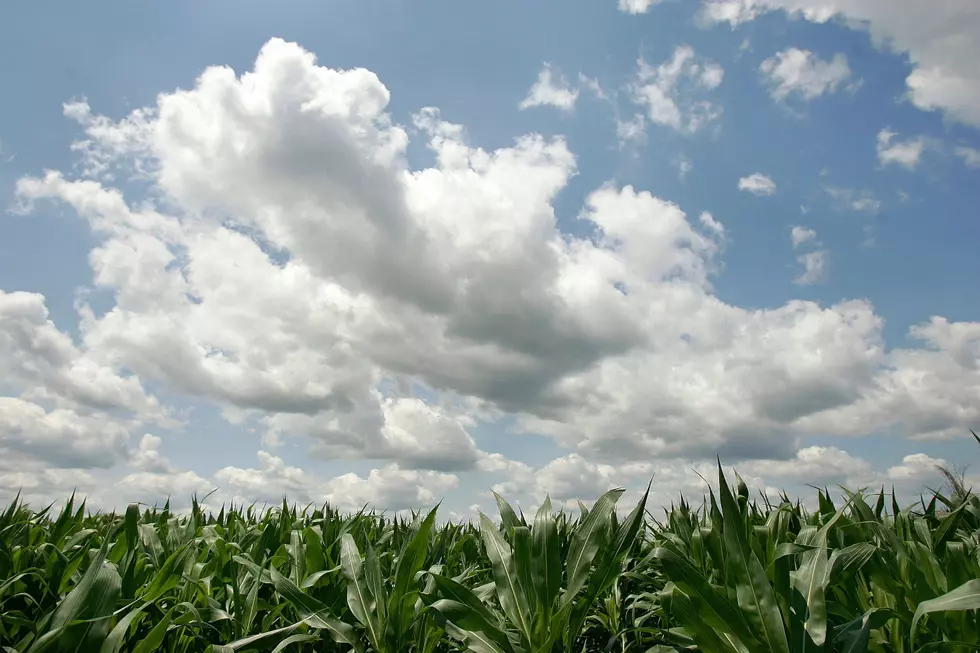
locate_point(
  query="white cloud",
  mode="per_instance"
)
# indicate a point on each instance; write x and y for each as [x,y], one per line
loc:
[410,431]
[802,73]
[940,40]
[391,488]
[154,488]
[814,267]
[970,156]
[593,86]
[757,184]
[60,437]
[47,365]
[303,278]
[550,89]
[862,201]
[800,235]
[148,457]
[713,225]
[669,91]
[632,130]
[637,6]
[813,465]
[904,153]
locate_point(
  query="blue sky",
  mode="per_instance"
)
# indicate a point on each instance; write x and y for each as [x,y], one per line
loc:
[495,347]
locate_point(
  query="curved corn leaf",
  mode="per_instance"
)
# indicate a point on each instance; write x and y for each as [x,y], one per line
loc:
[586,541]
[314,613]
[754,593]
[510,593]
[360,600]
[82,619]
[964,597]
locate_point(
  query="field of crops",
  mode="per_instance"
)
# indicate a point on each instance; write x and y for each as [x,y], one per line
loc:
[736,575]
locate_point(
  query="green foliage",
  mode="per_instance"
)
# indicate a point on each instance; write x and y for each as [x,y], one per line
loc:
[729,577]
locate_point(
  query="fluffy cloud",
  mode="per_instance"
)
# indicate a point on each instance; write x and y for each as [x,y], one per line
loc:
[637,6]
[149,458]
[295,271]
[757,184]
[800,235]
[61,437]
[387,488]
[669,92]
[47,366]
[408,431]
[940,40]
[391,487]
[550,89]
[796,72]
[905,153]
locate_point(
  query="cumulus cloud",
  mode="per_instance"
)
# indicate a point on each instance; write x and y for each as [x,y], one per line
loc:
[408,431]
[800,235]
[905,153]
[295,271]
[670,92]
[391,487]
[46,365]
[757,184]
[550,89]
[800,73]
[939,39]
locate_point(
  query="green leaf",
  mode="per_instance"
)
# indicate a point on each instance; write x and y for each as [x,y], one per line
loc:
[91,602]
[360,600]
[717,610]
[508,517]
[474,641]
[707,638]
[610,566]
[851,558]
[585,542]
[113,643]
[313,613]
[811,582]
[156,636]
[509,591]
[853,636]
[753,590]
[964,597]
[546,549]
[237,644]
[410,562]
[461,606]
[293,639]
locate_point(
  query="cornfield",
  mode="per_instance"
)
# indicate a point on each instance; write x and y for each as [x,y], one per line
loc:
[732,576]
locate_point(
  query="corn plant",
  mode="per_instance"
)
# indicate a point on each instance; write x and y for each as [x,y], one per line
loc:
[544,600]
[731,575]
[839,580]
